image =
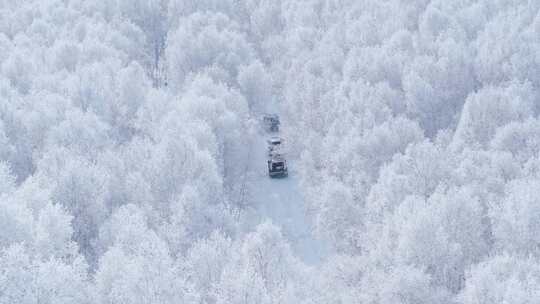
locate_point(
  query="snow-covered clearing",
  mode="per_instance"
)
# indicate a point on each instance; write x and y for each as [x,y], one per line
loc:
[280,200]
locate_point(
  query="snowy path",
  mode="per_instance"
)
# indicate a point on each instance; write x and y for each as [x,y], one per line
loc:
[280,201]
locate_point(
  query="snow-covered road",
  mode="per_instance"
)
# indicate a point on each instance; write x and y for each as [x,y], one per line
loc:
[281,201]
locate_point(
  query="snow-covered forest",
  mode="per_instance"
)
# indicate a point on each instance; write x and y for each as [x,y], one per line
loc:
[130,139]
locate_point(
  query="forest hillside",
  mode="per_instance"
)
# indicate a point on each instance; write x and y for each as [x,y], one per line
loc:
[130,139]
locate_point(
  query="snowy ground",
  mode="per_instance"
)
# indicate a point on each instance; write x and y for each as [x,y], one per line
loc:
[280,200]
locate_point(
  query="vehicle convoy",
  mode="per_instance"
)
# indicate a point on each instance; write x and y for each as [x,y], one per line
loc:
[271,122]
[277,167]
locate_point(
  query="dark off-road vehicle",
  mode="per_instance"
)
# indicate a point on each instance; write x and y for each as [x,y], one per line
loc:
[277,167]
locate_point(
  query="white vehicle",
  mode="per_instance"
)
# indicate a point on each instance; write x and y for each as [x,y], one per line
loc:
[274,145]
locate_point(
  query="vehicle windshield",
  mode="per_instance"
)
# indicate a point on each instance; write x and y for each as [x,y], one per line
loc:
[275,140]
[277,165]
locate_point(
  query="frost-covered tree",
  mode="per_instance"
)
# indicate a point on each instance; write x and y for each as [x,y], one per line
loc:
[137,266]
[81,189]
[27,280]
[515,226]
[210,42]
[502,279]
[206,261]
[262,270]
[152,18]
[490,108]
